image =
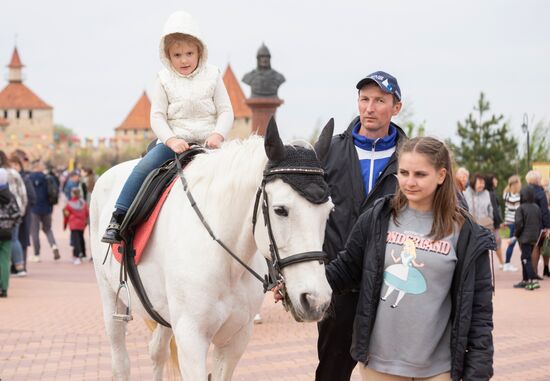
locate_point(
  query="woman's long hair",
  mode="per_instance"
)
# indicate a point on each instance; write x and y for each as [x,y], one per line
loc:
[447,214]
[514,185]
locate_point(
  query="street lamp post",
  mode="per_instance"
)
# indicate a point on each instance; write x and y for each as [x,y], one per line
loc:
[525,128]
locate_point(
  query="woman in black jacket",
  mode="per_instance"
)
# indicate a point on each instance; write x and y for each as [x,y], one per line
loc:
[528,223]
[423,271]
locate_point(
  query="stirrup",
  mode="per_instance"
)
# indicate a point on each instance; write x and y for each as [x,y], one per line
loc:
[128,315]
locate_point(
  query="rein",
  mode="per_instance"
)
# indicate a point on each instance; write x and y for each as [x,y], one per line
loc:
[276,264]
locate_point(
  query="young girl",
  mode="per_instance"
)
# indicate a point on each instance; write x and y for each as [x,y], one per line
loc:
[76,215]
[511,204]
[419,243]
[190,105]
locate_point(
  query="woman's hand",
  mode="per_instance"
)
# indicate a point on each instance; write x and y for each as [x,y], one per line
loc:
[214,140]
[277,296]
[178,145]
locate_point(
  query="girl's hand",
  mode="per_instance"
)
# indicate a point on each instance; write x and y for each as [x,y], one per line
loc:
[214,140]
[178,145]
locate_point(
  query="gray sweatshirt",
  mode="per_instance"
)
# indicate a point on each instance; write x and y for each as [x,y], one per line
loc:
[411,335]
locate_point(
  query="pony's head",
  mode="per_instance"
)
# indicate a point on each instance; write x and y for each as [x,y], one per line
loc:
[291,221]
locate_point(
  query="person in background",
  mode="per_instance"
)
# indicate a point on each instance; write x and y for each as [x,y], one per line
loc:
[41,212]
[9,217]
[17,188]
[72,182]
[18,161]
[534,181]
[511,199]
[76,216]
[462,177]
[491,184]
[528,222]
[87,179]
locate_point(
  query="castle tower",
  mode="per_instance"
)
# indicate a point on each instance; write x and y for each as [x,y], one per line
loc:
[135,131]
[27,119]
[243,114]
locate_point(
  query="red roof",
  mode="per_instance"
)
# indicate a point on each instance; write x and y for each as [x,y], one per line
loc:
[139,117]
[3,122]
[18,96]
[236,95]
[15,62]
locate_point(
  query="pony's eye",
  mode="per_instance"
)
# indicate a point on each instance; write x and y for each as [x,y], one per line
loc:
[281,211]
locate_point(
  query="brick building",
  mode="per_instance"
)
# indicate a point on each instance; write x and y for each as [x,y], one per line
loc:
[26,121]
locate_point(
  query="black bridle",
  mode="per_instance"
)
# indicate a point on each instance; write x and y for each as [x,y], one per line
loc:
[276,264]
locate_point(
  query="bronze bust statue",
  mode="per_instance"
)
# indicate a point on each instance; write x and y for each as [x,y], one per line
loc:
[263,81]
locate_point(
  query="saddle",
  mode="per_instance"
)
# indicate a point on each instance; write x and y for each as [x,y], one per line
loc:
[138,225]
[151,190]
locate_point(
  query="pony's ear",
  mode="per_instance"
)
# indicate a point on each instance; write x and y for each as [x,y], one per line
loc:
[274,147]
[323,144]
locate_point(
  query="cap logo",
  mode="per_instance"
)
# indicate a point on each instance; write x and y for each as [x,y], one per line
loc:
[378,77]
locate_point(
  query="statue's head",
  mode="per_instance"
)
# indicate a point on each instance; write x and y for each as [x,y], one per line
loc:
[264,57]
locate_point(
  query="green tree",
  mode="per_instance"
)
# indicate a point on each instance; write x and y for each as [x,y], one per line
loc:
[61,132]
[540,142]
[486,144]
[405,120]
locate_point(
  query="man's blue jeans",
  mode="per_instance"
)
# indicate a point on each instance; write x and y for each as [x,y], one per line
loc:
[152,160]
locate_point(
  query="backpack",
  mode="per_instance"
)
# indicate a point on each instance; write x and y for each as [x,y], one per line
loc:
[53,190]
[10,215]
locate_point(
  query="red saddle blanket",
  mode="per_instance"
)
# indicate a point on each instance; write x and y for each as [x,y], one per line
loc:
[143,232]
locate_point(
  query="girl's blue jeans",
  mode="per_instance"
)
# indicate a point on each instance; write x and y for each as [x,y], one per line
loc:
[152,160]
[16,248]
[512,243]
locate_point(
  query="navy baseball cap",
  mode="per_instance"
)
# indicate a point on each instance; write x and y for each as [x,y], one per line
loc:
[385,81]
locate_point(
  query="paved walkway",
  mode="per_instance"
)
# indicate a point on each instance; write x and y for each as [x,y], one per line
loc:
[51,329]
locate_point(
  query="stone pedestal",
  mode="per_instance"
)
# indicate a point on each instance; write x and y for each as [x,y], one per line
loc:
[262,110]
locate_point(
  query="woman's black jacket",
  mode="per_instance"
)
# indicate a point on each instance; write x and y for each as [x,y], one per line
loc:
[361,266]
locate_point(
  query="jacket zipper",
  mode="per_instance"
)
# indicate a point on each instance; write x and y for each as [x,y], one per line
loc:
[371,177]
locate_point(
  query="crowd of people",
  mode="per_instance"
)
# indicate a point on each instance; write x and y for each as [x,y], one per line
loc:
[29,190]
[523,212]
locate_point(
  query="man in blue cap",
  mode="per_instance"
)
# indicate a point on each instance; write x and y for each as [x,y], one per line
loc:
[360,167]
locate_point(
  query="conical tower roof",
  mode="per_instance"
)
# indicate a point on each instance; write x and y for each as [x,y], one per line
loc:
[236,94]
[16,95]
[15,62]
[139,117]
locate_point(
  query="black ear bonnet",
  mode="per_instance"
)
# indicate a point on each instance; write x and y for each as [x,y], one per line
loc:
[310,183]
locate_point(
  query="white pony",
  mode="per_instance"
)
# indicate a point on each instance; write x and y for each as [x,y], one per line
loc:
[205,295]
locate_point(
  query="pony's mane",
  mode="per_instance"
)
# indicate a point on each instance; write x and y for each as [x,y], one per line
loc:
[238,165]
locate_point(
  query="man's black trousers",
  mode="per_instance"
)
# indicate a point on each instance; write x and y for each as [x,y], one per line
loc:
[334,342]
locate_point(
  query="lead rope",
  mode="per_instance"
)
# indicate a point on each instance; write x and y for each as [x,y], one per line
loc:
[265,280]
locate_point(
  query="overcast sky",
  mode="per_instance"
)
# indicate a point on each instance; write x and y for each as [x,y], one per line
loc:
[91,60]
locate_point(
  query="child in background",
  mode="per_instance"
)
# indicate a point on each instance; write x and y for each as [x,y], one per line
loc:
[76,215]
[528,223]
[10,216]
[190,104]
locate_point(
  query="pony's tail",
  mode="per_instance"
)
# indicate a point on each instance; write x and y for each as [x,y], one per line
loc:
[172,365]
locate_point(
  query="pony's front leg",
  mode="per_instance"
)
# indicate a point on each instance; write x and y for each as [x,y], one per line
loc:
[227,356]
[192,349]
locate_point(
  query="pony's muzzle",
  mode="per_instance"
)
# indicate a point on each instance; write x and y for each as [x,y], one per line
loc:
[313,305]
